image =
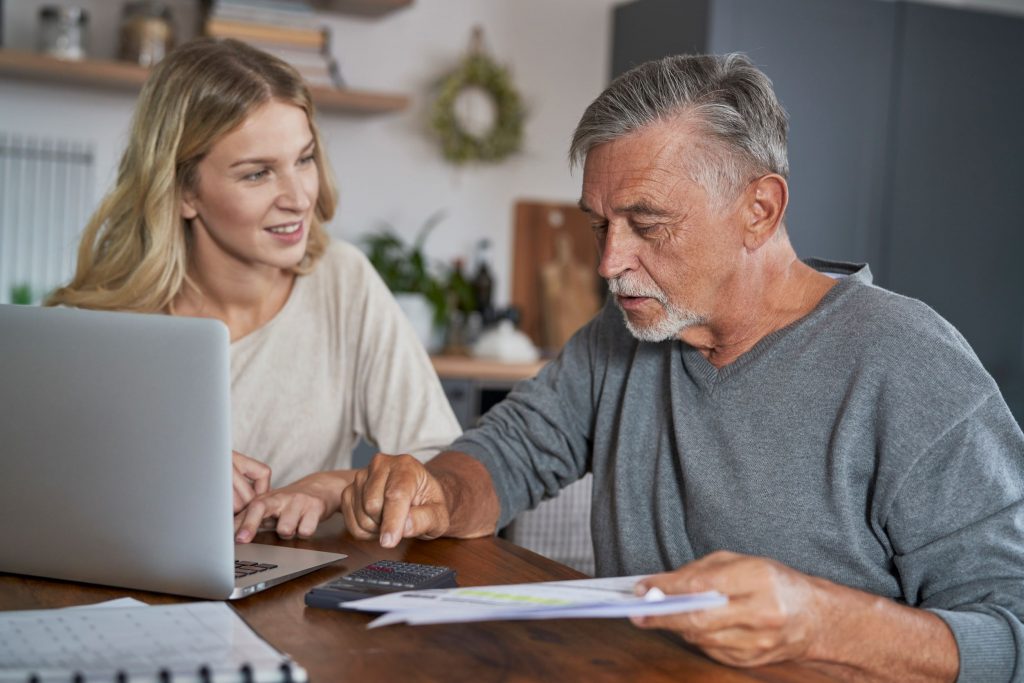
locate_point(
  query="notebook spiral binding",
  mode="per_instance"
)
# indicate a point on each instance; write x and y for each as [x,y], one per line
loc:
[290,672]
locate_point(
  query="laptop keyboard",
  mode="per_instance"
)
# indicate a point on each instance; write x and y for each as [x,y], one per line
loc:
[244,568]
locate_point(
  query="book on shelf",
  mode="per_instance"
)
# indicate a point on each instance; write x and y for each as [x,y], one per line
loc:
[267,33]
[325,75]
[286,6]
[201,642]
[297,16]
[297,57]
[290,31]
[318,67]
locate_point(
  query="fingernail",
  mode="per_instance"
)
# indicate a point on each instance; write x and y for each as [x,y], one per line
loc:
[654,594]
[387,540]
[243,536]
[639,590]
[408,525]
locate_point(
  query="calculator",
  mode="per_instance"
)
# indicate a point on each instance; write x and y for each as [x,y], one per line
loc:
[383,576]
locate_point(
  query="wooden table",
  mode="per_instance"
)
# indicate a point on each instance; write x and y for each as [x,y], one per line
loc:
[336,646]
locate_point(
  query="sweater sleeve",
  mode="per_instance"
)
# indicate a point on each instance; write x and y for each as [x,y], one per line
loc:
[538,440]
[957,528]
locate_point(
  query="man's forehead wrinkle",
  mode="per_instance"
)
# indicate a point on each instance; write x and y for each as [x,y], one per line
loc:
[649,186]
[642,170]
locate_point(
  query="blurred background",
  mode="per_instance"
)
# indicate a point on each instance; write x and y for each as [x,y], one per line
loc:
[906,145]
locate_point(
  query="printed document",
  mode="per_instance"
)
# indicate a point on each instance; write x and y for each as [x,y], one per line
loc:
[580,599]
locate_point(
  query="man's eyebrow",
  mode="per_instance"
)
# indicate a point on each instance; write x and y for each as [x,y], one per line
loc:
[643,208]
[265,161]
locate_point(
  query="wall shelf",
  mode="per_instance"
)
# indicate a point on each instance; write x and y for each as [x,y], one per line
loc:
[116,75]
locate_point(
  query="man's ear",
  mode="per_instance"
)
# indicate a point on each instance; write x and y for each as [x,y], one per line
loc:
[765,202]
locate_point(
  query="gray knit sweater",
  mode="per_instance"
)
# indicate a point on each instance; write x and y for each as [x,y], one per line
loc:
[863,443]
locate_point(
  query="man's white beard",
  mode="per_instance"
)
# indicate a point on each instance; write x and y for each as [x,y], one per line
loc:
[674,321]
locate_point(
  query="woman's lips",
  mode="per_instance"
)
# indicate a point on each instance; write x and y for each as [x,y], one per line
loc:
[282,234]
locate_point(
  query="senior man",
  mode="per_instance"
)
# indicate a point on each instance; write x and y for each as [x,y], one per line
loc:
[830,455]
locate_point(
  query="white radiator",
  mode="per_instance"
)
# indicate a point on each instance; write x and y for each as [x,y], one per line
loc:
[46,196]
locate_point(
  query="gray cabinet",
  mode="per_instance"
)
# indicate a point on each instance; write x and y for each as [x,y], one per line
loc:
[906,144]
[954,235]
[830,62]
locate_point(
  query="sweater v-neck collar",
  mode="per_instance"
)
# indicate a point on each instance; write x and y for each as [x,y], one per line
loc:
[708,377]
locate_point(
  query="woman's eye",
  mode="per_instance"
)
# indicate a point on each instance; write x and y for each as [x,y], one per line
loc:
[306,160]
[256,175]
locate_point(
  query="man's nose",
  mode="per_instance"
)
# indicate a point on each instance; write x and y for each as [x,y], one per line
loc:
[618,253]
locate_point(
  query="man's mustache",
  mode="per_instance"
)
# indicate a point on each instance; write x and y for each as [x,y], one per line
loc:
[621,286]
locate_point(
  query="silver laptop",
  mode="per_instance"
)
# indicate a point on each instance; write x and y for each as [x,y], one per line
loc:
[115,467]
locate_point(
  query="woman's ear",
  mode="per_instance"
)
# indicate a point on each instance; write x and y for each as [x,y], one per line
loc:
[188,206]
[766,200]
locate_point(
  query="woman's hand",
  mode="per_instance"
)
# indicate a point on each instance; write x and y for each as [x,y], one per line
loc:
[249,478]
[298,508]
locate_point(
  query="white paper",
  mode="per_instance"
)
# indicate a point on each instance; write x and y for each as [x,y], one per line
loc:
[140,641]
[584,598]
[116,602]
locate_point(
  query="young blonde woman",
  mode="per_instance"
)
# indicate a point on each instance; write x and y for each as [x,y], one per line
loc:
[219,212]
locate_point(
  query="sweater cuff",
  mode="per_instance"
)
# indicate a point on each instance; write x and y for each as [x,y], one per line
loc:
[477,452]
[988,650]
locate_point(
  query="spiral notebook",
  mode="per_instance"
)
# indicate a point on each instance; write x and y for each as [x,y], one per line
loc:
[202,641]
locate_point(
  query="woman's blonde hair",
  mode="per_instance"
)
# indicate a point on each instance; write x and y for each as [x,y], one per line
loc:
[135,250]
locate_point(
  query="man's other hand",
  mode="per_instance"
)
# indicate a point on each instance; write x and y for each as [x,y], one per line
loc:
[249,478]
[395,497]
[772,614]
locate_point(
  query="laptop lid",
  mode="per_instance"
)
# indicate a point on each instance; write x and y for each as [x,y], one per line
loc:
[115,442]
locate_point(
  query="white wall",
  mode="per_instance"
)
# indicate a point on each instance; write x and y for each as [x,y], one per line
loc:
[388,168]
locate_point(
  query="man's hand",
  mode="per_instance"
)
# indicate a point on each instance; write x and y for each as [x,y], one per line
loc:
[778,614]
[249,478]
[773,613]
[298,507]
[395,497]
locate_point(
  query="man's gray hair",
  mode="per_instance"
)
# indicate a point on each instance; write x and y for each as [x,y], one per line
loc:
[731,101]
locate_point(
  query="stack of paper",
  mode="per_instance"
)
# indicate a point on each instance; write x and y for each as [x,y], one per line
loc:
[582,599]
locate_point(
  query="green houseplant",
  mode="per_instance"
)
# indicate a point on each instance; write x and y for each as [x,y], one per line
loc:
[404,267]
[427,295]
[21,294]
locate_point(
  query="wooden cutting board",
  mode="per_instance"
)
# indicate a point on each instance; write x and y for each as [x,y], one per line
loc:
[549,315]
